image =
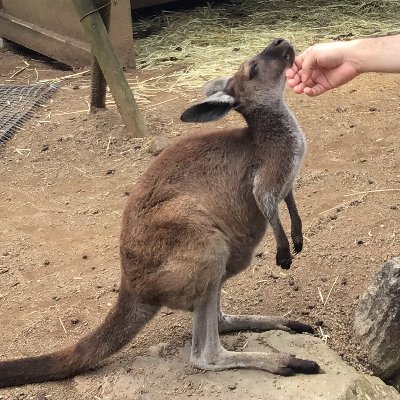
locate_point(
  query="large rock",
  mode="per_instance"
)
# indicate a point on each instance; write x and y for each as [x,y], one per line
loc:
[395,381]
[165,374]
[377,321]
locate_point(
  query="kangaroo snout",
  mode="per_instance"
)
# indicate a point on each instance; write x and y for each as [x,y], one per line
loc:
[279,49]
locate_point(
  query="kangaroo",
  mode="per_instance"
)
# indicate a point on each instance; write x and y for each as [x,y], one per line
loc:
[193,220]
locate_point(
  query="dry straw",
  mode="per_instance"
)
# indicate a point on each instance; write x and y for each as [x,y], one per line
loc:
[202,43]
[182,49]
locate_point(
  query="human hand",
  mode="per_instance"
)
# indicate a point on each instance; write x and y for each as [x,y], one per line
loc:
[322,67]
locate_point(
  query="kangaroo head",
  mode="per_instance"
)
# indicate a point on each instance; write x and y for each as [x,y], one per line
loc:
[259,82]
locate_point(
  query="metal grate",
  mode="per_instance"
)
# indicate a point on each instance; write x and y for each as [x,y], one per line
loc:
[17,105]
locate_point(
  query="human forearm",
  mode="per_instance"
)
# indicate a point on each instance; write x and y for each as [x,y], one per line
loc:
[379,54]
[326,66]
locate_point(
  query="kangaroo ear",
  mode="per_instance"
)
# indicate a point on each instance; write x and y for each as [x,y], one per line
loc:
[212,108]
[216,85]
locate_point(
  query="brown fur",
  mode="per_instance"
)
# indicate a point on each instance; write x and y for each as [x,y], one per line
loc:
[192,221]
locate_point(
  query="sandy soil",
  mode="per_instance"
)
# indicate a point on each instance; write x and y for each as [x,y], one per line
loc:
[64,183]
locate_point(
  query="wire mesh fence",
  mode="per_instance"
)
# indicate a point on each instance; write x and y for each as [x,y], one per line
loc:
[18,103]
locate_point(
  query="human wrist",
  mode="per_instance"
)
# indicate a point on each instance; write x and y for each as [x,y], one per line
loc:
[356,54]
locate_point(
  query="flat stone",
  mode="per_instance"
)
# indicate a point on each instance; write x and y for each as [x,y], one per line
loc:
[172,377]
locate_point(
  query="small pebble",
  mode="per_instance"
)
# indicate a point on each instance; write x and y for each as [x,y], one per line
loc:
[158,144]
[115,288]
[274,275]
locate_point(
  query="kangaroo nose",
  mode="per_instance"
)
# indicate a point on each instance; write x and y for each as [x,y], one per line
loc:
[278,49]
[277,42]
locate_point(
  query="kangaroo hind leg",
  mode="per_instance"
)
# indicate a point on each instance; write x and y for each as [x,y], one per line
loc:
[208,353]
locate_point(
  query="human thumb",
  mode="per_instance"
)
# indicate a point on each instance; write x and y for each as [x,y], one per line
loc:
[308,65]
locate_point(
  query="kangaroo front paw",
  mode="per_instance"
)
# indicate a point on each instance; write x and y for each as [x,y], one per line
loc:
[297,240]
[284,258]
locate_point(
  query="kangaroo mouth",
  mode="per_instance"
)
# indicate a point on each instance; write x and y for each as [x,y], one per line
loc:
[290,55]
[280,49]
[285,49]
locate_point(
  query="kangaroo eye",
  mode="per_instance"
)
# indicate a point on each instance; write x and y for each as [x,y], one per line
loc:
[253,71]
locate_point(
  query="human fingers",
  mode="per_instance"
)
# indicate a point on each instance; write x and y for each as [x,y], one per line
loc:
[294,81]
[298,62]
[302,87]
[315,90]
[291,83]
[292,71]
[309,63]
[299,88]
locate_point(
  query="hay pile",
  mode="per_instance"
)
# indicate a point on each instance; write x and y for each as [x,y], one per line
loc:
[212,40]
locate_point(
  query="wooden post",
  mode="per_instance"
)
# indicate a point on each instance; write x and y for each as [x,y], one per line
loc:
[107,59]
[99,84]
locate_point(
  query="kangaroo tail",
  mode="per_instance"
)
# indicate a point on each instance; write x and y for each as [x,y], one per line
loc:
[122,323]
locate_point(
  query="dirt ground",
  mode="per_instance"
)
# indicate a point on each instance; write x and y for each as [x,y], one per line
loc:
[65,178]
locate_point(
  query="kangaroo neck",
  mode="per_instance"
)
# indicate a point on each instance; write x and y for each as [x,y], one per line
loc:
[271,121]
